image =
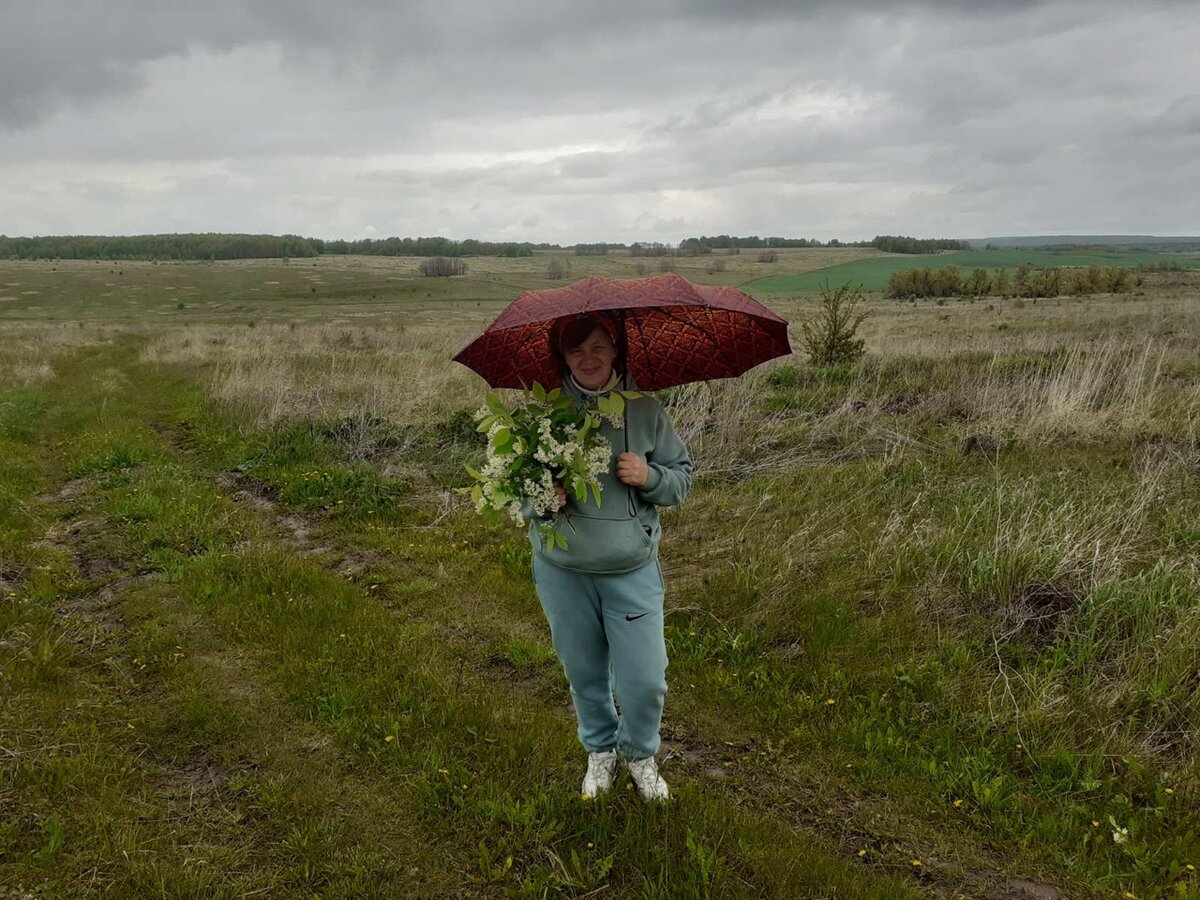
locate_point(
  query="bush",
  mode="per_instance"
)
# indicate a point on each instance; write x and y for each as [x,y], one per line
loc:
[440,266]
[1000,285]
[714,266]
[831,335]
[768,256]
[979,283]
[558,269]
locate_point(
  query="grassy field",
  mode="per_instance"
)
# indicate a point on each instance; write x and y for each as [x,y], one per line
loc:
[933,619]
[873,274]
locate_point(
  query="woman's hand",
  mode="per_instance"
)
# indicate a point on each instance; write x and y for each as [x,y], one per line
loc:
[632,469]
[561,492]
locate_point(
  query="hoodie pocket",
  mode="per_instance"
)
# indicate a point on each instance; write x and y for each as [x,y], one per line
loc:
[602,546]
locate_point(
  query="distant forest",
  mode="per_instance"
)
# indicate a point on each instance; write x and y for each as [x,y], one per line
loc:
[244,246]
[214,246]
[886,242]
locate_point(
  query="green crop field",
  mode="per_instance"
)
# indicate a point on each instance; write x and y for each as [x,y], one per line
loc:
[873,274]
[933,618]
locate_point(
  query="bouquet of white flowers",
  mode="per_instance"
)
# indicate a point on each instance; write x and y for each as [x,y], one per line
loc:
[541,440]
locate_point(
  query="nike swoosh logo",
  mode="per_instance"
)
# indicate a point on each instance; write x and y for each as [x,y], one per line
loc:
[629,618]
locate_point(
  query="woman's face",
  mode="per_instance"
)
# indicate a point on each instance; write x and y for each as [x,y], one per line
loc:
[592,361]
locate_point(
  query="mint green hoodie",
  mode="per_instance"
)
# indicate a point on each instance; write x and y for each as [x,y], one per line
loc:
[623,532]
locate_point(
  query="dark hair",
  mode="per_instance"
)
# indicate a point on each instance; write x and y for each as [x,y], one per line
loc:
[571,331]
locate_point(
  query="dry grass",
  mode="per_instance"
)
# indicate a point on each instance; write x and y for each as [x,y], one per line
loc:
[1124,371]
[28,350]
[278,373]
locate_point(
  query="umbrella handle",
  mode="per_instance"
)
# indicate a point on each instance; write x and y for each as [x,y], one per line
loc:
[628,412]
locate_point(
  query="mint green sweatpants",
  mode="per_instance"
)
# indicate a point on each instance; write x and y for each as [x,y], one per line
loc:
[608,634]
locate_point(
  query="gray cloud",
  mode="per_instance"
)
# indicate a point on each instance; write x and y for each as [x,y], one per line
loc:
[623,121]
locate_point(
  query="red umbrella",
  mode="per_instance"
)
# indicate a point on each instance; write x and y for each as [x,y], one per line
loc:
[674,332]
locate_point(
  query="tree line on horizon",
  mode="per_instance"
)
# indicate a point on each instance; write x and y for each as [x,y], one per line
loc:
[221,246]
[215,246]
[889,243]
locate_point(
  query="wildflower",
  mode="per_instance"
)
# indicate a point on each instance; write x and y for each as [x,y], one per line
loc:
[1120,835]
[390,738]
[1191,868]
[862,852]
[917,863]
[958,804]
[830,702]
[1170,792]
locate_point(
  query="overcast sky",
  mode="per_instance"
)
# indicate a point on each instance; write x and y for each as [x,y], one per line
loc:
[620,121]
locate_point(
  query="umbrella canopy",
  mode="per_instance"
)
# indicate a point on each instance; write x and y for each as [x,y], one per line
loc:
[674,332]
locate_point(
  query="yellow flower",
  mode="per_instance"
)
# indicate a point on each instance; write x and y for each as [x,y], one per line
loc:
[916,863]
[1169,792]
[958,804]
[830,702]
[390,738]
[862,852]
[1191,868]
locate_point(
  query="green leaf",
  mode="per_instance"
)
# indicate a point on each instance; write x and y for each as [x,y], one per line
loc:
[474,474]
[485,423]
[539,392]
[502,440]
[631,395]
[476,493]
[580,488]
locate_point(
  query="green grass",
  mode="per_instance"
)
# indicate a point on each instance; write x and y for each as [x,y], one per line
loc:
[238,656]
[873,274]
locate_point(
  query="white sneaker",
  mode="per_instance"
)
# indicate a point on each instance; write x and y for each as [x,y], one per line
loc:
[600,771]
[650,784]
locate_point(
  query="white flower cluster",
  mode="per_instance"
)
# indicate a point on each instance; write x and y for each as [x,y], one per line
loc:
[616,420]
[532,454]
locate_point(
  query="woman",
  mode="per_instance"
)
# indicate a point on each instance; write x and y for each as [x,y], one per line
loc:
[603,595]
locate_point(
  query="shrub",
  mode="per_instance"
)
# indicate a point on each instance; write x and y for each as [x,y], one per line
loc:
[714,266]
[558,269]
[979,283]
[831,335]
[768,256]
[1116,279]
[441,266]
[1000,285]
